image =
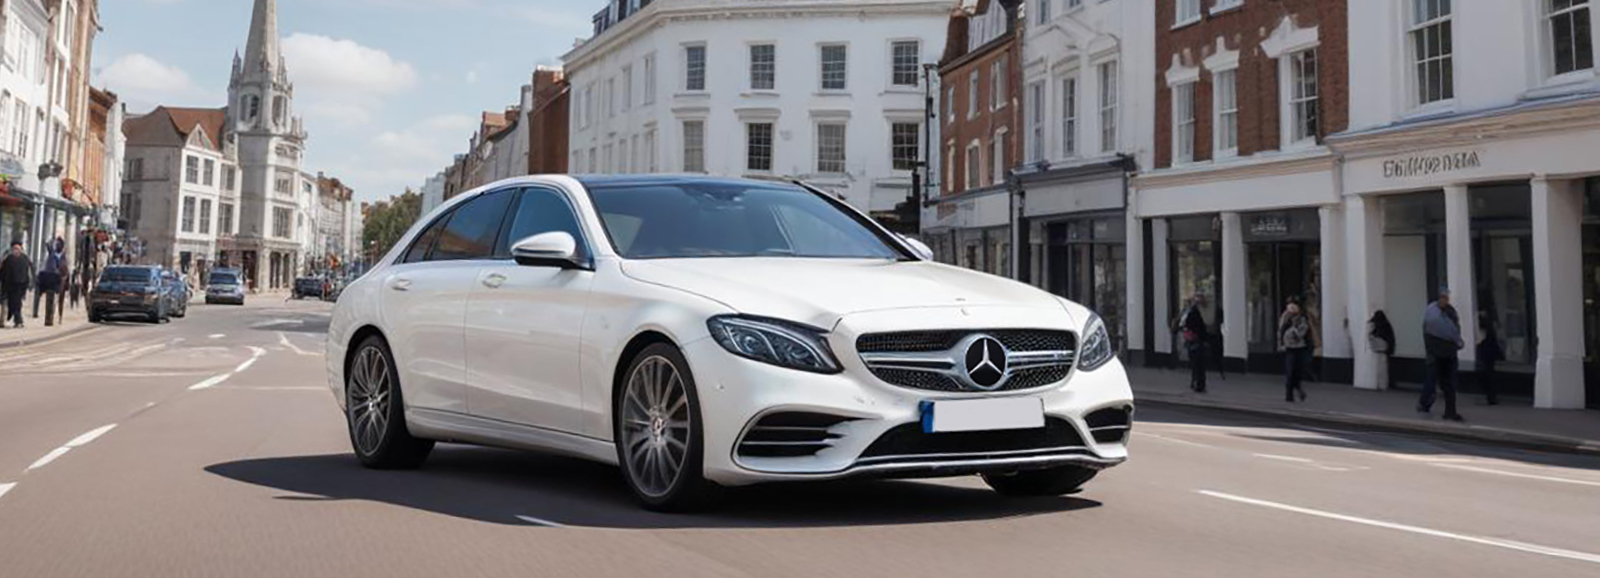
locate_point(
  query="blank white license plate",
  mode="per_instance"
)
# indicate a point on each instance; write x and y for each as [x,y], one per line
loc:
[982,414]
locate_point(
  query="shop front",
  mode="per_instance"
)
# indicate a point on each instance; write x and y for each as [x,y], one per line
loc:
[1075,220]
[1194,252]
[1285,265]
[972,230]
[1502,218]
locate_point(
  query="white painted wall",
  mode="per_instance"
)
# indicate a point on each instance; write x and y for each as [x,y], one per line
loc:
[1076,42]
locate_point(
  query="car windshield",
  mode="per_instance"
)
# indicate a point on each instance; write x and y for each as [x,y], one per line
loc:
[126,275]
[719,219]
[224,279]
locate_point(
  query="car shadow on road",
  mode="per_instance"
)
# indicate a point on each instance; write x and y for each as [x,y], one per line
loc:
[497,486]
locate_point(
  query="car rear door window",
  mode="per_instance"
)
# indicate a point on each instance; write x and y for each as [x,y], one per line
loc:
[541,210]
[473,229]
[419,248]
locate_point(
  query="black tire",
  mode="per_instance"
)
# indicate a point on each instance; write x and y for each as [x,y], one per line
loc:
[396,448]
[94,316]
[1033,483]
[690,491]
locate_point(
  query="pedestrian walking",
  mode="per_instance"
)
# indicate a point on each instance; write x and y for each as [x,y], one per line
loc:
[16,273]
[49,282]
[76,286]
[1489,354]
[1294,336]
[1191,326]
[1380,339]
[1441,333]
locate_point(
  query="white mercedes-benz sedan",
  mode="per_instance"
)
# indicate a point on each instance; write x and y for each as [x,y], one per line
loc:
[705,332]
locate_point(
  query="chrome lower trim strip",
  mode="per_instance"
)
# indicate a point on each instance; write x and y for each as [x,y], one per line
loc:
[1009,453]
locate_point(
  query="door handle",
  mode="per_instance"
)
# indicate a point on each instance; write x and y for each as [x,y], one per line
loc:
[400,284]
[494,280]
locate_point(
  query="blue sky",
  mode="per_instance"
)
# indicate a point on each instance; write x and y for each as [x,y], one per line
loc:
[389,89]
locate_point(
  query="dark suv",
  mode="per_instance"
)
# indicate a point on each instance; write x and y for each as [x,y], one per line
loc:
[309,287]
[130,290]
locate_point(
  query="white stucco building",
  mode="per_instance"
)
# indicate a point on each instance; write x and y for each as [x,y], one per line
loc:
[1473,163]
[180,189]
[830,91]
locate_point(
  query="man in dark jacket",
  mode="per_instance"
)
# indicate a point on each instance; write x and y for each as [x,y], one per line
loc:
[49,286]
[1193,332]
[16,272]
[1441,333]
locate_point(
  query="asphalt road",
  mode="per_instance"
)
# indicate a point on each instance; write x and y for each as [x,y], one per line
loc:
[126,452]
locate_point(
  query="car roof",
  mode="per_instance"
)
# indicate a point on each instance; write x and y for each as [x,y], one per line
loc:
[589,181]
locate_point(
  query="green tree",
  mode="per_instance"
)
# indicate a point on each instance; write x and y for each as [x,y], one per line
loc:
[388,221]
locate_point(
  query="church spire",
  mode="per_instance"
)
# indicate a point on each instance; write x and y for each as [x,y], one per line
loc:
[261,54]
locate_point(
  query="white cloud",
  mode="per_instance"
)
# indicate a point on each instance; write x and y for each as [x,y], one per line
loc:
[472,77]
[345,66]
[392,160]
[143,82]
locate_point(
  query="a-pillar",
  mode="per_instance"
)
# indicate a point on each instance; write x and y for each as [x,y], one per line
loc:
[1336,325]
[1458,257]
[1558,293]
[1363,225]
[1235,317]
[1161,273]
[1134,298]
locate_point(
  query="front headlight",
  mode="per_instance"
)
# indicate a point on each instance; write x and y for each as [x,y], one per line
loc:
[1095,351]
[779,343]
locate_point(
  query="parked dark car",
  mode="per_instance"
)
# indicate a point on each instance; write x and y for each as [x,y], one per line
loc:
[130,290]
[178,293]
[310,287]
[225,286]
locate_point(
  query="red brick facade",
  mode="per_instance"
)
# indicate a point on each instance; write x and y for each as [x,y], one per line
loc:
[548,124]
[1257,82]
[960,130]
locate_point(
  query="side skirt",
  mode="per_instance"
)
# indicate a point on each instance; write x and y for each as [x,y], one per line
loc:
[451,427]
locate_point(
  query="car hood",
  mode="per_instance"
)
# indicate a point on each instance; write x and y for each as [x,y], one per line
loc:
[820,291]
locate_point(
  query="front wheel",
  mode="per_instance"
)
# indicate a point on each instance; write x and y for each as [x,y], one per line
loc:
[375,411]
[659,433]
[1052,482]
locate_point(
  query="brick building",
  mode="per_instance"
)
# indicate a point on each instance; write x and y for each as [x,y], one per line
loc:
[548,127]
[970,224]
[1243,206]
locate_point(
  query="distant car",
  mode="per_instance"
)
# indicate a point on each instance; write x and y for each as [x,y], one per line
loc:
[130,290]
[178,293]
[309,287]
[225,286]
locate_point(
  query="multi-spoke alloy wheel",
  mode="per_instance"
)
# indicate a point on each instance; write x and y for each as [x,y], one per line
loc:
[376,410]
[659,433]
[370,385]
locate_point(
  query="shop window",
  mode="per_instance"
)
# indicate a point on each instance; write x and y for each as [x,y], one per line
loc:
[1591,290]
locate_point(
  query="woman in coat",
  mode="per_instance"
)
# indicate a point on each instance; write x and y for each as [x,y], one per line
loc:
[1294,334]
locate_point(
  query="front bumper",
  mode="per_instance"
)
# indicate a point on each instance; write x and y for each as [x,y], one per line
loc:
[877,433]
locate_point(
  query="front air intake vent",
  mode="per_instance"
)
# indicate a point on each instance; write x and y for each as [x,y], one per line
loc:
[1110,425]
[789,435]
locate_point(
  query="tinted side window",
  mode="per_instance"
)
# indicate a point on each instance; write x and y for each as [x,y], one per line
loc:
[419,248]
[542,211]
[472,231]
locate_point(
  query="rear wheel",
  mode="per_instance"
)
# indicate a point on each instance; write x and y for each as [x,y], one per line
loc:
[1052,482]
[660,439]
[375,411]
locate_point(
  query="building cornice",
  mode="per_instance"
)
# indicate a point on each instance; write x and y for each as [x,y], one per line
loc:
[663,12]
[1257,166]
[1522,120]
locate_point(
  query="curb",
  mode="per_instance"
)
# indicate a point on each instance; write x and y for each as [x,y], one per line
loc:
[52,338]
[1498,436]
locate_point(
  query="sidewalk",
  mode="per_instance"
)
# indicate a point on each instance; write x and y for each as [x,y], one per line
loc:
[34,332]
[1514,422]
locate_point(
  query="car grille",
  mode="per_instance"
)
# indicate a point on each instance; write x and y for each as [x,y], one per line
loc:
[909,442]
[947,378]
[789,435]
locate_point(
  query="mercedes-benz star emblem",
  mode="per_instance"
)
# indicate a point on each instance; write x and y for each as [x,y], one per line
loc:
[986,363]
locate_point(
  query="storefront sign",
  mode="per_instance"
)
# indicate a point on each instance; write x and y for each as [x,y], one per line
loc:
[1269,226]
[1423,165]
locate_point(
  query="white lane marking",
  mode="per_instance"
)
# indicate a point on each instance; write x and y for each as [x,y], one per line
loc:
[1518,475]
[284,339]
[6,488]
[1285,458]
[217,336]
[209,383]
[50,457]
[90,436]
[541,522]
[255,353]
[1496,542]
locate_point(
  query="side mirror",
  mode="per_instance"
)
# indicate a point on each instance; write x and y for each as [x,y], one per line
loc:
[920,248]
[553,249]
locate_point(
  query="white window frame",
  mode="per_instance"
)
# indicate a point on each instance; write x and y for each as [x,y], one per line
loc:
[916,147]
[1108,85]
[1225,5]
[770,72]
[1221,115]
[950,167]
[823,164]
[694,146]
[1043,11]
[998,80]
[1069,115]
[998,160]
[627,88]
[1414,27]
[822,67]
[188,207]
[950,104]
[689,70]
[772,147]
[1547,16]
[974,165]
[1185,12]
[1185,123]
[894,63]
[1037,105]
[974,81]
[1292,101]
